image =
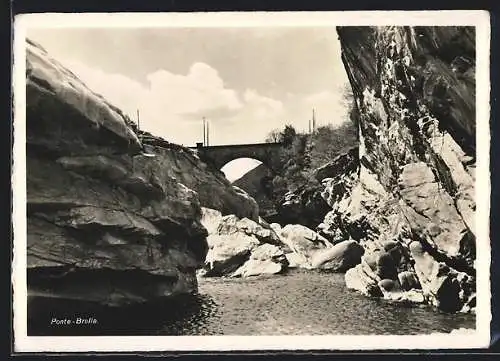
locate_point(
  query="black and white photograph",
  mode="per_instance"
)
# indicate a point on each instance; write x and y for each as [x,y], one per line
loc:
[269,178]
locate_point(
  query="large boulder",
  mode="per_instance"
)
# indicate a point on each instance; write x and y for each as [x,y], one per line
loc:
[446,288]
[242,247]
[303,240]
[263,232]
[362,279]
[227,253]
[338,258]
[265,259]
[296,260]
[254,267]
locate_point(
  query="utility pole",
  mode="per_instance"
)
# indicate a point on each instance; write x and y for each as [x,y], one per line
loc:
[204,133]
[208,134]
[313,121]
[138,121]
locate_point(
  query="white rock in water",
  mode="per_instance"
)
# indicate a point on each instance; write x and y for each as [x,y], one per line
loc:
[210,219]
[303,240]
[296,260]
[339,258]
[255,267]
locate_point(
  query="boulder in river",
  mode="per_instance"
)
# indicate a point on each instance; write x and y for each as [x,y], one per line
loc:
[303,240]
[339,258]
[448,289]
[264,259]
[241,247]
[228,252]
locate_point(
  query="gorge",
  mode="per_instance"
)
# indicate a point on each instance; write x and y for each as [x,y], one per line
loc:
[119,218]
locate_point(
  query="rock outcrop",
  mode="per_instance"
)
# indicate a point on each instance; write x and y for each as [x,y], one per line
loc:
[258,184]
[305,206]
[244,248]
[241,247]
[113,214]
[410,203]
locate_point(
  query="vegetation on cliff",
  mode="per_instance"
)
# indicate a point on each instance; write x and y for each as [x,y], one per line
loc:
[303,154]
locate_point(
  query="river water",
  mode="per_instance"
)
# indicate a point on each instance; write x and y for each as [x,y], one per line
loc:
[305,303]
[297,303]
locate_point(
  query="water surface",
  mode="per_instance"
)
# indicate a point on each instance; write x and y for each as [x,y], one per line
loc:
[297,303]
[306,303]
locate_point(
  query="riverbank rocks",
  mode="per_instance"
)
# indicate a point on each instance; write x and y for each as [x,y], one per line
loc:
[414,184]
[241,247]
[210,219]
[447,289]
[232,224]
[304,242]
[265,259]
[273,249]
[339,258]
[106,223]
[227,252]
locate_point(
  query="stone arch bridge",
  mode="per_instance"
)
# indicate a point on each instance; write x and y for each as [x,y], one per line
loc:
[219,155]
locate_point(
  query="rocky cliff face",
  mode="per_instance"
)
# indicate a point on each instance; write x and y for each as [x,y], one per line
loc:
[258,184]
[112,218]
[411,201]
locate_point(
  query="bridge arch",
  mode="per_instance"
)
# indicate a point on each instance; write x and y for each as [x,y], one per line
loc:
[219,155]
[255,178]
[238,167]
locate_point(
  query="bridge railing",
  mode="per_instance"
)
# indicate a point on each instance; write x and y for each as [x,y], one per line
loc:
[201,146]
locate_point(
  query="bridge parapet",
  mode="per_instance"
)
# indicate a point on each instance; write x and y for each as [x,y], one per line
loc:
[220,155]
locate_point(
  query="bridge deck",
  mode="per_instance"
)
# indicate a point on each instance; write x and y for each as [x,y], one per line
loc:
[239,145]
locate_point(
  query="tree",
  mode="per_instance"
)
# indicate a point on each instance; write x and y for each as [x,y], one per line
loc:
[328,142]
[274,136]
[288,135]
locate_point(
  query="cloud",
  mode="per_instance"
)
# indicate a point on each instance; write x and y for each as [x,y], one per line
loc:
[118,89]
[201,90]
[172,105]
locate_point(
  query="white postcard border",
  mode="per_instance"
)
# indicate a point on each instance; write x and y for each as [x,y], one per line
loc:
[477,339]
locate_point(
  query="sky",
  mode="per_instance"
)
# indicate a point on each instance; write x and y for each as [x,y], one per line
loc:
[244,81]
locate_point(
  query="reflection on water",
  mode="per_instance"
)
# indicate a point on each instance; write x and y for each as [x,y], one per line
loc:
[200,319]
[299,303]
[186,314]
[310,303]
